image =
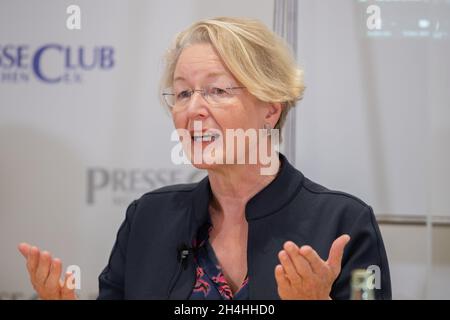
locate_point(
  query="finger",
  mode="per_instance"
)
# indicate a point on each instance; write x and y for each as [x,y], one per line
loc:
[281,278]
[52,283]
[289,268]
[43,268]
[68,288]
[336,252]
[24,249]
[313,258]
[32,262]
[301,264]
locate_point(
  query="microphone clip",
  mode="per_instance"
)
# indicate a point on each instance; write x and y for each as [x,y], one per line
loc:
[183,253]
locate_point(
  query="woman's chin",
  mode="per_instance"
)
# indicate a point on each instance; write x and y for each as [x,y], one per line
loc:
[205,166]
[207,161]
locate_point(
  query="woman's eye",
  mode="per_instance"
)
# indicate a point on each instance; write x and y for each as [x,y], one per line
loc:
[184,94]
[218,91]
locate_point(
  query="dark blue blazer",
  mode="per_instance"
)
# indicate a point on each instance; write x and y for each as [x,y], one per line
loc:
[147,260]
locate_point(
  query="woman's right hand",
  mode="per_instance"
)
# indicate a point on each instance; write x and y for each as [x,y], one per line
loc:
[45,274]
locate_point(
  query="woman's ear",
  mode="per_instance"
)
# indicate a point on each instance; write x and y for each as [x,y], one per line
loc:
[273,113]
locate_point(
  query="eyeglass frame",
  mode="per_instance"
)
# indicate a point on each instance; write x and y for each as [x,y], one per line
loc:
[202,91]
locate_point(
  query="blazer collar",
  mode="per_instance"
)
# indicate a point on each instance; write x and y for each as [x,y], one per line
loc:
[269,200]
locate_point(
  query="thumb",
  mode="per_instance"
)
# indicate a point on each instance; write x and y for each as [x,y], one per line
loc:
[336,252]
[68,287]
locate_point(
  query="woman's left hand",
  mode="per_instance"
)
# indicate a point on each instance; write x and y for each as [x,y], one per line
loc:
[303,275]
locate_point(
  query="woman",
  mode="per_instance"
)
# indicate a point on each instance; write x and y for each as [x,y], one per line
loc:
[239,233]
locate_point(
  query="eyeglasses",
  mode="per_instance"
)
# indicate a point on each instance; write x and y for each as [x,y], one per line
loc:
[212,94]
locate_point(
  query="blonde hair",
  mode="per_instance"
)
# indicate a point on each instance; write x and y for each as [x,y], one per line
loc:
[258,58]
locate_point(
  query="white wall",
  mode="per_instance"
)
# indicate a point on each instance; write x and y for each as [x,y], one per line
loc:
[377,109]
[406,247]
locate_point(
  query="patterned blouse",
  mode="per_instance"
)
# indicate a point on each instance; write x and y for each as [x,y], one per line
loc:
[211,283]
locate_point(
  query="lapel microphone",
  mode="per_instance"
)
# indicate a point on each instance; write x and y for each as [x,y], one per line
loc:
[183,253]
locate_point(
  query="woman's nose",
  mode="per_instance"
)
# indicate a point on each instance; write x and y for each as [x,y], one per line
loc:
[197,105]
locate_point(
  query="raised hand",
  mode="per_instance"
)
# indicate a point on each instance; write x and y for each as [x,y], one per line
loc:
[303,275]
[45,274]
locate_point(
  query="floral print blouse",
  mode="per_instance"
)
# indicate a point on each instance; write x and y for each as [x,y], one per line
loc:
[211,283]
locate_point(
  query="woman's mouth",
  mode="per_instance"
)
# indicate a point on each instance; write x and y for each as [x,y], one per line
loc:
[207,137]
